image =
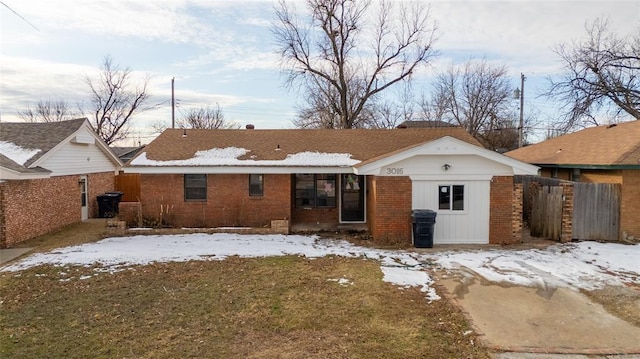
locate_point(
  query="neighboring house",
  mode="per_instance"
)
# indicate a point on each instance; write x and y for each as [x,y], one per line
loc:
[332,179]
[602,154]
[425,124]
[126,153]
[50,176]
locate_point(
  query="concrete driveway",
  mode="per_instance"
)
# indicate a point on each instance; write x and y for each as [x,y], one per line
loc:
[9,254]
[543,322]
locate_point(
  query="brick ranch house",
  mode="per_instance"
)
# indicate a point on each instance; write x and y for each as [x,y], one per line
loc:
[50,176]
[366,179]
[601,154]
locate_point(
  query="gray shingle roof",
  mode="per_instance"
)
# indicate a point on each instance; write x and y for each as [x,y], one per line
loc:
[35,135]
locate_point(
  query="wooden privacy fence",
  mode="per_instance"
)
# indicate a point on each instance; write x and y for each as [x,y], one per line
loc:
[528,184]
[129,184]
[564,210]
[596,211]
[546,212]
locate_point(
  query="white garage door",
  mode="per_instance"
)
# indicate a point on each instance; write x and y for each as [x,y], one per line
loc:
[462,207]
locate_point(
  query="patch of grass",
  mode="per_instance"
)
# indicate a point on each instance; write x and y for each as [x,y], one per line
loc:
[74,234]
[275,307]
[623,302]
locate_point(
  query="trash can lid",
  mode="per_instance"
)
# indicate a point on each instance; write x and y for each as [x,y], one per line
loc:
[423,213]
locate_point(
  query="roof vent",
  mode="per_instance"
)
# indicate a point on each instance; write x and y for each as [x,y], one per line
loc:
[402,125]
[249,127]
[612,125]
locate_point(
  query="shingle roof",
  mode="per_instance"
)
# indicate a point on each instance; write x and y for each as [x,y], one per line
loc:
[602,145]
[39,135]
[264,145]
[426,123]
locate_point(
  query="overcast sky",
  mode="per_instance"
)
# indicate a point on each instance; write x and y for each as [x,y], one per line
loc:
[223,51]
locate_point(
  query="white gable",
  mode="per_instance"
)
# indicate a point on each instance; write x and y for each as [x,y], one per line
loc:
[81,153]
[446,157]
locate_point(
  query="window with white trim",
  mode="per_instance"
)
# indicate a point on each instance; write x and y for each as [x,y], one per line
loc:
[451,197]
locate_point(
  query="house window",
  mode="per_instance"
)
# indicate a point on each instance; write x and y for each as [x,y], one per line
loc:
[195,187]
[451,197]
[256,185]
[315,190]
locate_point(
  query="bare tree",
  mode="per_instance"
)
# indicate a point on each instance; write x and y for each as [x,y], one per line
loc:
[601,77]
[48,111]
[350,52]
[207,118]
[478,97]
[115,100]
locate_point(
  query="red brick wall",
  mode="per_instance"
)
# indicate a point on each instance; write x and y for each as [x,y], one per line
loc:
[228,201]
[630,207]
[30,208]
[389,211]
[315,218]
[504,206]
[99,183]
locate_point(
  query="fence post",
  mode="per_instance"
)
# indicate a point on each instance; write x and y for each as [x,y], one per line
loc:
[516,218]
[567,212]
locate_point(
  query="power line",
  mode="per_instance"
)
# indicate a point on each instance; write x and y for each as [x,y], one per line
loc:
[20,16]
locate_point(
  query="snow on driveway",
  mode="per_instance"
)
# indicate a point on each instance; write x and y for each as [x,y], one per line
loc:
[588,265]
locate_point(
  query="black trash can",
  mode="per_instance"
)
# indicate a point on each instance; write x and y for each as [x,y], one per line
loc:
[108,204]
[423,223]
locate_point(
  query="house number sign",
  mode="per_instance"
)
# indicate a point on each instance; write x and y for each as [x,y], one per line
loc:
[394,170]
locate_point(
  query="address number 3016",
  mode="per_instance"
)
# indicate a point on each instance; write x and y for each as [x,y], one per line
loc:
[394,170]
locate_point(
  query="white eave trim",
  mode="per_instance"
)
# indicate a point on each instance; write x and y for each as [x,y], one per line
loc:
[234,169]
[11,175]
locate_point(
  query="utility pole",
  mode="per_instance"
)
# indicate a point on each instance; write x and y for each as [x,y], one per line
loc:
[173,105]
[520,128]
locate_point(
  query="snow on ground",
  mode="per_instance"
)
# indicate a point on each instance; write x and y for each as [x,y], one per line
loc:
[587,265]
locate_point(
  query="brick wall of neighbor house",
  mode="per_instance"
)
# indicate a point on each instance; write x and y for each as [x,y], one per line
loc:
[561,173]
[505,211]
[99,183]
[601,176]
[389,211]
[34,207]
[228,202]
[630,207]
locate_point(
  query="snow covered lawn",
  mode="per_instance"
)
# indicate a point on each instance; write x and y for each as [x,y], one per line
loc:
[587,265]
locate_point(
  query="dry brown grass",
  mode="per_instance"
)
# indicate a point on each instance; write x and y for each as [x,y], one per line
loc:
[277,307]
[78,233]
[623,302]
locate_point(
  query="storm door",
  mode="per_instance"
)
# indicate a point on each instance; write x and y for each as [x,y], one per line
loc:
[84,200]
[352,198]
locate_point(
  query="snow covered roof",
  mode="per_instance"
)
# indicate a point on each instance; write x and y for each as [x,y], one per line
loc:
[230,157]
[283,148]
[35,139]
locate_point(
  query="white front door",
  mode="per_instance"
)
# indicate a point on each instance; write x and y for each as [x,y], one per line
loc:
[84,198]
